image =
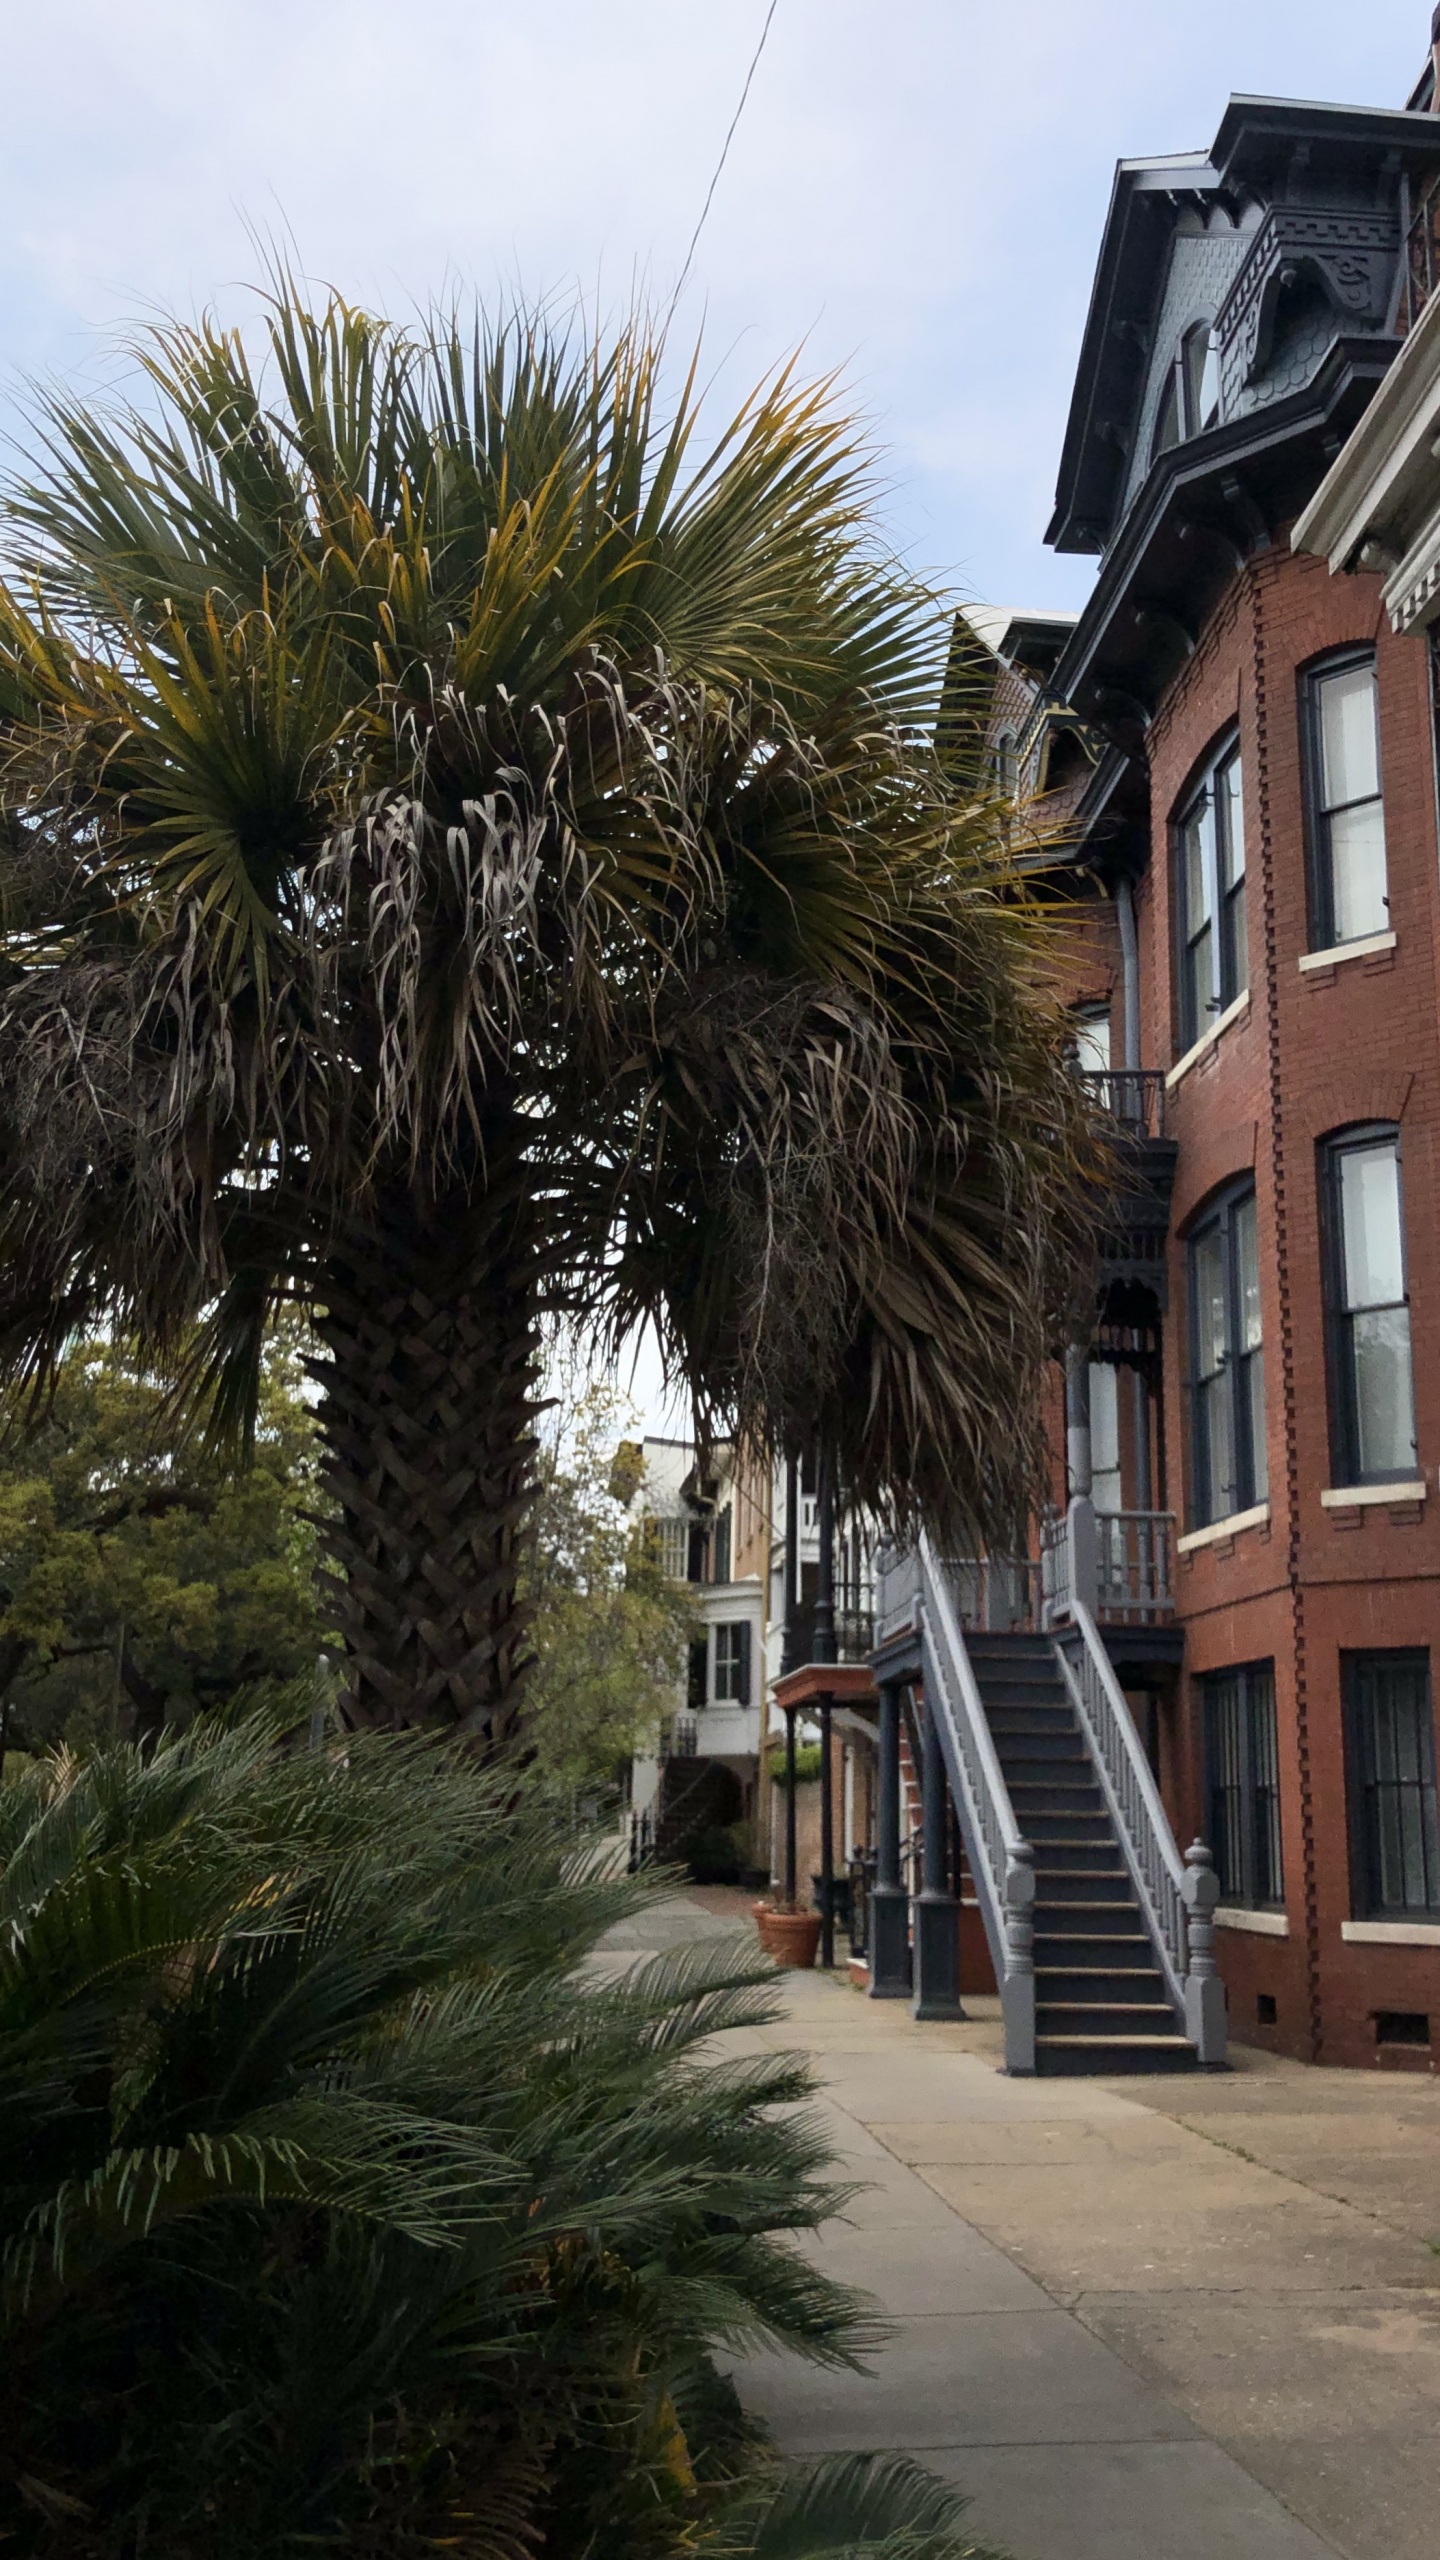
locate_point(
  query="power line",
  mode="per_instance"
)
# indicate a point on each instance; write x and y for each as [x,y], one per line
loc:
[724,152]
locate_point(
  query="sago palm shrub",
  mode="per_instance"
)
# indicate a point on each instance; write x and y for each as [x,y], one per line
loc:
[473,851]
[347,2202]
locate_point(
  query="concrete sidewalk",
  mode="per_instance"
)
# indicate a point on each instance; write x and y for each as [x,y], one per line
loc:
[1177,2319]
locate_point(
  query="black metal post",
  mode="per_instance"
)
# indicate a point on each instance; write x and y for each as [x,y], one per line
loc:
[822,1640]
[827,1842]
[789,1647]
[790,1806]
[937,1913]
[889,1911]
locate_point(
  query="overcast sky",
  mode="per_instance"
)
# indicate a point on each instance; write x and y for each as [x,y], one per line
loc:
[915,190]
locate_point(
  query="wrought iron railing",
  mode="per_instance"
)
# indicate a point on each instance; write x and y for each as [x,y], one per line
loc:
[1002,1863]
[1135,1096]
[1177,1894]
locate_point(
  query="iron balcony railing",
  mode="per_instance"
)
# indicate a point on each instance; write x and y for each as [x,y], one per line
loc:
[1422,255]
[1135,1096]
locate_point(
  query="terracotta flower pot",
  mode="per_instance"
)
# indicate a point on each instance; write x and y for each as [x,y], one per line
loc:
[764,1913]
[793,1938]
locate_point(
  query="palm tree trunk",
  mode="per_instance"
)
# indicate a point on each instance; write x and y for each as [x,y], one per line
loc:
[426,1419]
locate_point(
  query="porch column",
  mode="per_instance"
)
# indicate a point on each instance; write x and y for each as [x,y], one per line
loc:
[937,1913]
[827,1841]
[789,1805]
[889,1913]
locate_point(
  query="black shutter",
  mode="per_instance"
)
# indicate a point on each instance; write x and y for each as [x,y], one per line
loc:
[744,1662]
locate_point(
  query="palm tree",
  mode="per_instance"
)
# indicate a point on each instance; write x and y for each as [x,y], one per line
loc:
[472,855]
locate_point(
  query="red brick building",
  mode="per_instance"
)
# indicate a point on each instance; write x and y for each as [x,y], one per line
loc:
[1257,966]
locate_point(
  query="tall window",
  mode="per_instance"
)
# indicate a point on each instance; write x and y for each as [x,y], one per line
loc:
[1242,1770]
[1210,848]
[1347,812]
[720,1547]
[1373,1400]
[1227,1367]
[732,1661]
[1392,1768]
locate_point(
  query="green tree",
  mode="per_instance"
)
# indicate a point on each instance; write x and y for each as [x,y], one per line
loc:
[345,2206]
[140,1575]
[472,850]
[611,1629]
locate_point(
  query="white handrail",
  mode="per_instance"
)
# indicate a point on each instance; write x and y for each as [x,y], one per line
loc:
[1178,1894]
[1128,1784]
[1001,1861]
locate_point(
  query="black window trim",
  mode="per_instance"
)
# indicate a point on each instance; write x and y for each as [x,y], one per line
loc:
[1201,787]
[1320,900]
[1246,1898]
[1219,1210]
[1339,1374]
[1364,1904]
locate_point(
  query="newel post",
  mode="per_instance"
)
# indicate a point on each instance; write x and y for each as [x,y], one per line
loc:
[1204,1990]
[936,1911]
[1017,1991]
[889,1903]
[1084,1552]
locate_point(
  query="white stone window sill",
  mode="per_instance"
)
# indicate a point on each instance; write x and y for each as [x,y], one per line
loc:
[1235,1012]
[1218,1529]
[1258,1924]
[1390,1933]
[1345,1497]
[1363,949]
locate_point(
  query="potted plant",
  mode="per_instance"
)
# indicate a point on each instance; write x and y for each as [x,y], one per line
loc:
[789,1933]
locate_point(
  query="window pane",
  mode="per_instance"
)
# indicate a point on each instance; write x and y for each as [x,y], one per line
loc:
[1196,840]
[1349,743]
[1199,985]
[1211,1330]
[1357,872]
[1255,1399]
[1217,1488]
[1231,815]
[1395,1742]
[1269,1884]
[1227,1786]
[1370,1223]
[1247,1257]
[1384,1396]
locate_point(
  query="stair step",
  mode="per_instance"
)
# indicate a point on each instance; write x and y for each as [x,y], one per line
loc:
[1109,2056]
[1028,1715]
[1070,1857]
[1097,1949]
[1104,2017]
[1071,1887]
[1104,1983]
[1059,1821]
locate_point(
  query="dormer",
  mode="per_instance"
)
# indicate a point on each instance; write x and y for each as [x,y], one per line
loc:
[1227,279]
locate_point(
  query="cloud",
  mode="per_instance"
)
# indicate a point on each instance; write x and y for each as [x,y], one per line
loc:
[916,190]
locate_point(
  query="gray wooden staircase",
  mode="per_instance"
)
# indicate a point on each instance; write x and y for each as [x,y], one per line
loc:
[1102,2004]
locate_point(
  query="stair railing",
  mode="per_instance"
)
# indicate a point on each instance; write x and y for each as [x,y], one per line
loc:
[1002,1864]
[1178,1895]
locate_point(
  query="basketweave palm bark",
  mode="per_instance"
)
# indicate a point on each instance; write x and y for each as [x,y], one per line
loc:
[468,859]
